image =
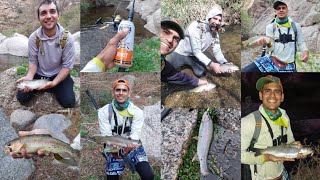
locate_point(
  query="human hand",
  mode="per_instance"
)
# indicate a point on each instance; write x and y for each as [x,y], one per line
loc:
[216,68]
[305,56]
[261,42]
[25,78]
[24,153]
[48,85]
[202,82]
[108,53]
[269,157]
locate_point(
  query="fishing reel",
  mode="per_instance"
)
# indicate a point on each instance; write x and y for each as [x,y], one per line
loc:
[116,20]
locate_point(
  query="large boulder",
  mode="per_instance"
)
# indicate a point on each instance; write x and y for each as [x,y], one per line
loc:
[16,45]
[12,168]
[20,119]
[55,124]
[76,37]
[151,131]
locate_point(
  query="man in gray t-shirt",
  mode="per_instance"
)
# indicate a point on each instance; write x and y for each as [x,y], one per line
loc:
[51,56]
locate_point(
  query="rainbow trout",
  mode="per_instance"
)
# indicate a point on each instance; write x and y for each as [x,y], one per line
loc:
[252,42]
[204,141]
[229,67]
[202,88]
[286,150]
[33,84]
[62,151]
[116,140]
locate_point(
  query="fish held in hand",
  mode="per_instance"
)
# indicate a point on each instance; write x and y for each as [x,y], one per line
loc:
[116,140]
[33,84]
[286,151]
[202,88]
[229,67]
[253,42]
[62,151]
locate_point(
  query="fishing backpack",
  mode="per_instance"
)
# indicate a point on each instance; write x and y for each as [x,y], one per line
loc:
[61,42]
[118,129]
[245,168]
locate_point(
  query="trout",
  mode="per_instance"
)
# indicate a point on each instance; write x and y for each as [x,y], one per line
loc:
[252,42]
[202,88]
[229,67]
[286,151]
[62,151]
[204,141]
[33,84]
[116,140]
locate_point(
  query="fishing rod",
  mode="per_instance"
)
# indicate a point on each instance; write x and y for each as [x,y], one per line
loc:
[123,58]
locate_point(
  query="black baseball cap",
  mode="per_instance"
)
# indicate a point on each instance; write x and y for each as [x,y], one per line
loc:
[173,24]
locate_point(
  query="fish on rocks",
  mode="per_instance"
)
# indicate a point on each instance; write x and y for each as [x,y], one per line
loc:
[33,84]
[252,42]
[62,151]
[203,88]
[116,140]
[204,141]
[286,151]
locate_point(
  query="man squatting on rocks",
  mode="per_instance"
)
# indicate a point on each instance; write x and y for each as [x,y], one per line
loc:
[288,37]
[126,120]
[51,56]
[198,37]
[267,166]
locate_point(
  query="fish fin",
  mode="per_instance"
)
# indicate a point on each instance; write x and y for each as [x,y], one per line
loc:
[258,152]
[195,158]
[69,161]
[65,155]
[196,138]
[77,153]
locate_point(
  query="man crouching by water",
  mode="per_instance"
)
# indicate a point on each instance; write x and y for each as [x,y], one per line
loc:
[122,117]
[266,127]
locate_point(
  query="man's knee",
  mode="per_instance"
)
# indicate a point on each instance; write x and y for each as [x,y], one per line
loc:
[23,97]
[67,102]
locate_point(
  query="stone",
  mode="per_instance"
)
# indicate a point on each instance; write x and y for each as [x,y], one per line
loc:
[151,131]
[12,168]
[176,131]
[20,119]
[55,124]
[16,45]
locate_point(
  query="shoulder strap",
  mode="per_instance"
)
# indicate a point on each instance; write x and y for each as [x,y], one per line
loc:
[294,28]
[64,39]
[37,42]
[269,127]
[257,129]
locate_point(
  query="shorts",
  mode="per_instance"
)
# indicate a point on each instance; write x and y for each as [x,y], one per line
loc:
[265,64]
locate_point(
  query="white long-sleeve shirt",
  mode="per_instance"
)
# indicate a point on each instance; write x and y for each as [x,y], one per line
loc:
[106,127]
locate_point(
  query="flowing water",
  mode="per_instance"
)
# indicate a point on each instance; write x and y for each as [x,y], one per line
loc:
[93,40]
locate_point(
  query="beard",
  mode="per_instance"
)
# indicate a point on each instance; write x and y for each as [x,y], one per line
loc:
[214,27]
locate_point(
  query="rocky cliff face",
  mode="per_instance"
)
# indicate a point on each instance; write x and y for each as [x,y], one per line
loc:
[305,12]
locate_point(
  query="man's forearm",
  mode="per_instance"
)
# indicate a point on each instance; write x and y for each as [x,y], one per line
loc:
[64,72]
[32,69]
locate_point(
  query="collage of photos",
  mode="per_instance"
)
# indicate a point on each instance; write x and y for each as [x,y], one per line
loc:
[160,89]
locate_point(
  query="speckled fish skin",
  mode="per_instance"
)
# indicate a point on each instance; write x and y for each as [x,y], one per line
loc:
[33,143]
[203,88]
[229,67]
[116,140]
[252,42]
[33,84]
[287,151]
[205,138]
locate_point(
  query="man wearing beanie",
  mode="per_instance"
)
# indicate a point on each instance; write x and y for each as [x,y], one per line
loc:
[268,126]
[288,38]
[122,117]
[199,35]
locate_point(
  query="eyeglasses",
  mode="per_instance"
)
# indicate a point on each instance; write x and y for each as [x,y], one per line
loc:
[119,90]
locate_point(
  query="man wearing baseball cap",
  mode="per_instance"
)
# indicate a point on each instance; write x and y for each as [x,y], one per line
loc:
[122,117]
[288,38]
[268,126]
[170,35]
[199,35]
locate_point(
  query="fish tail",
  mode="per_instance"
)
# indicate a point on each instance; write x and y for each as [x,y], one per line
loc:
[98,139]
